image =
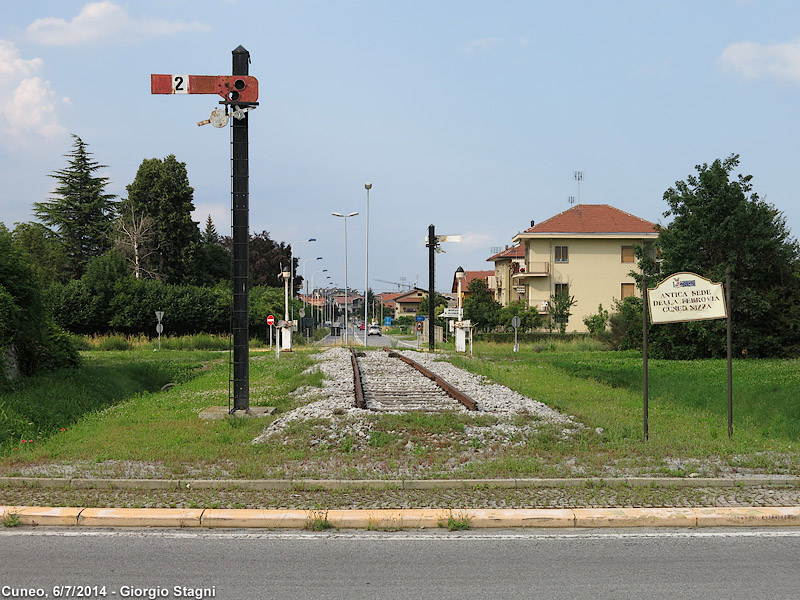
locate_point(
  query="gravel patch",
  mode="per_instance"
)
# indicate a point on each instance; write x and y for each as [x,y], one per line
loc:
[335,403]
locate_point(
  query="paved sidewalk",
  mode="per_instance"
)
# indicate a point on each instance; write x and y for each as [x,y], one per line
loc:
[401,504]
[388,519]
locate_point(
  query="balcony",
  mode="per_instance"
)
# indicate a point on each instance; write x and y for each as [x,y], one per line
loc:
[533,269]
[543,306]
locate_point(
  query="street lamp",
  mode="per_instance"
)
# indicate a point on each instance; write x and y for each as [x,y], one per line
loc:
[304,275]
[286,340]
[460,333]
[368,187]
[312,286]
[345,217]
[459,278]
[291,264]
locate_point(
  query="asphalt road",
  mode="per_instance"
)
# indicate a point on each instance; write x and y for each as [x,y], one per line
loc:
[609,564]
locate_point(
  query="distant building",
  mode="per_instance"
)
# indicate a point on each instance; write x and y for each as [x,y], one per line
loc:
[586,251]
[507,263]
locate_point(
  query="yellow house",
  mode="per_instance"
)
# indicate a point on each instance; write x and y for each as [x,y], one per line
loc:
[587,252]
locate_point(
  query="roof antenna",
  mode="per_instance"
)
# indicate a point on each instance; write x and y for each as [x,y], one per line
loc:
[578,176]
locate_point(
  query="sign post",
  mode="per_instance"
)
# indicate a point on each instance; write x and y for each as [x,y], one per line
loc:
[159,327]
[515,323]
[270,323]
[239,92]
[685,297]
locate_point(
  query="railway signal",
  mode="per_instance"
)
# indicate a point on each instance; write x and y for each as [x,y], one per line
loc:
[239,93]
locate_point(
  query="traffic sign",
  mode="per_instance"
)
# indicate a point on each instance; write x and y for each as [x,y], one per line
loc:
[270,320]
[159,329]
[419,318]
[234,88]
[419,325]
[452,313]
[159,315]
[515,322]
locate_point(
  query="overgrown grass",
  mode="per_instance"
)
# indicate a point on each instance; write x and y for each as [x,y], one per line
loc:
[687,399]
[602,390]
[34,408]
[164,427]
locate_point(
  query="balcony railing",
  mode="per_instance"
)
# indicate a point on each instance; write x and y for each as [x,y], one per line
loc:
[534,269]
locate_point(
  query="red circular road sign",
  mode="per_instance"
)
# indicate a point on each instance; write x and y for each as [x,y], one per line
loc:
[270,320]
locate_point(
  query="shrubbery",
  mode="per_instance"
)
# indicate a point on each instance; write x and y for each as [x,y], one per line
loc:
[28,337]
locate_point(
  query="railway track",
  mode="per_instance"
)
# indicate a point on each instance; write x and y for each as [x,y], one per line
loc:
[388,381]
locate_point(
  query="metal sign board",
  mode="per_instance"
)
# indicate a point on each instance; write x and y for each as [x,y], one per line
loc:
[387,321]
[270,320]
[159,315]
[235,88]
[515,322]
[419,318]
[452,313]
[159,329]
[686,297]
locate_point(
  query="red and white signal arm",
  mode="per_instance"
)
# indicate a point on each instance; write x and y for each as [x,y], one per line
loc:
[234,88]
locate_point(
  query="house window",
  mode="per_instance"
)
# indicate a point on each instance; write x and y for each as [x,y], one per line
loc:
[627,254]
[562,254]
[561,288]
[627,290]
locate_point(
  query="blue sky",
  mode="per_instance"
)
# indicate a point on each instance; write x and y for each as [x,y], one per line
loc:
[472,116]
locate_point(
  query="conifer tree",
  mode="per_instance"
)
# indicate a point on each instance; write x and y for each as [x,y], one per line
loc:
[80,212]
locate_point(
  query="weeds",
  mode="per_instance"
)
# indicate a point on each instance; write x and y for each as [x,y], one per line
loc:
[318,521]
[461,522]
[11,519]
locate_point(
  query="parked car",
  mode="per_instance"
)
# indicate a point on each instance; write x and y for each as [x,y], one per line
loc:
[361,325]
[374,330]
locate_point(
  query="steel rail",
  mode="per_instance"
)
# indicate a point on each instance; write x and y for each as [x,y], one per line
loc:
[357,384]
[450,390]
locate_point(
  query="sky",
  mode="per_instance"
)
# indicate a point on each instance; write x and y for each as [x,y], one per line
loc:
[469,115]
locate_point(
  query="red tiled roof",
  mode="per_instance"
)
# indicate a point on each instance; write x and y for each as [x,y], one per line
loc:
[469,276]
[593,218]
[517,251]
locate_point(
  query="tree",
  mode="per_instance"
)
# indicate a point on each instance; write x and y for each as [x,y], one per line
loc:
[161,191]
[29,339]
[80,212]
[266,259]
[596,323]
[44,251]
[719,222]
[134,234]
[560,306]
[214,261]
[529,317]
[480,307]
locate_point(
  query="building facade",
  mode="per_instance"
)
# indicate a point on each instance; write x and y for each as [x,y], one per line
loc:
[586,252]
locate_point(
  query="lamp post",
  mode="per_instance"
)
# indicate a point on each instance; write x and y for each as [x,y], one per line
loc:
[286,334]
[460,334]
[312,286]
[345,217]
[291,264]
[368,187]
[304,275]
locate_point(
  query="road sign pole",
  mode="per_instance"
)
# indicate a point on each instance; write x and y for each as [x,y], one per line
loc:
[240,199]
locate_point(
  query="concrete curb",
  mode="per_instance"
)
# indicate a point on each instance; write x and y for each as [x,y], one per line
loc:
[389,519]
[392,484]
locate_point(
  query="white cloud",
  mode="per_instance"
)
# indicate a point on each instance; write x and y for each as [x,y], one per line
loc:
[753,60]
[103,22]
[30,108]
[480,45]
